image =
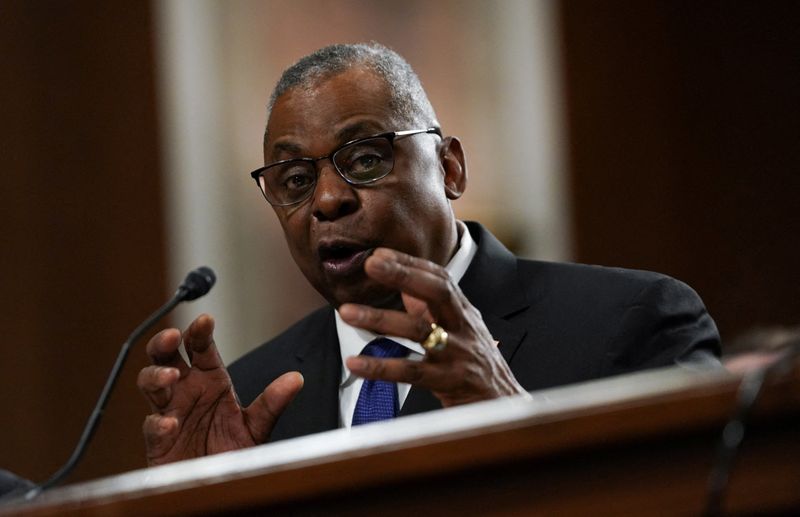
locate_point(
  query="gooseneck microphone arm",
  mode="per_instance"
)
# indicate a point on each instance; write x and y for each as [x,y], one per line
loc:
[196,284]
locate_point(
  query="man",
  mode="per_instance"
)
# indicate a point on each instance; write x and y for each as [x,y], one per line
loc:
[362,180]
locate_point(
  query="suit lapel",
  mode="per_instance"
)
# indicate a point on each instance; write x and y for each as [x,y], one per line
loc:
[316,408]
[509,334]
[491,285]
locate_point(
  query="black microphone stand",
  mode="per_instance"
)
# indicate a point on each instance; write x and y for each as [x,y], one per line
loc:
[197,283]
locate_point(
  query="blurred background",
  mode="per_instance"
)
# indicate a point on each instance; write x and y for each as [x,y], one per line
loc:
[660,135]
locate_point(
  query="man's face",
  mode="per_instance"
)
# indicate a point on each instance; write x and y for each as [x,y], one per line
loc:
[331,234]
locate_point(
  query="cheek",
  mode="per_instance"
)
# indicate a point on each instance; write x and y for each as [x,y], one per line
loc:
[425,177]
[423,196]
[294,230]
[280,213]
[407,214]
[417,169]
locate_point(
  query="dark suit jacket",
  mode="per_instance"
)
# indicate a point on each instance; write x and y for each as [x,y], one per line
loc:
[557,324]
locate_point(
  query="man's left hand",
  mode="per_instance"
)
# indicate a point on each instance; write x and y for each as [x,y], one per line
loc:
[470,368]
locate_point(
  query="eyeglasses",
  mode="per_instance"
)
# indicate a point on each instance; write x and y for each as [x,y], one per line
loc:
[358,162]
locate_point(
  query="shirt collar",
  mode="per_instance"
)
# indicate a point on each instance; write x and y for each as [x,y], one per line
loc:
[352,340]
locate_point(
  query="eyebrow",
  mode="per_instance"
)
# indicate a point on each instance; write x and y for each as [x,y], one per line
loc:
[344,135]
[287,147]
[357,130]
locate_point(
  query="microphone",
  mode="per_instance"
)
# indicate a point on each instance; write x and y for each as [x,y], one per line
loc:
[196,284]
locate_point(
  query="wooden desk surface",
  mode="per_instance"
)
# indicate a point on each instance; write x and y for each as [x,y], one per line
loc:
[636,444]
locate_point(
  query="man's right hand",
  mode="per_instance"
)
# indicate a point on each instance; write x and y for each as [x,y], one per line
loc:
[195,409]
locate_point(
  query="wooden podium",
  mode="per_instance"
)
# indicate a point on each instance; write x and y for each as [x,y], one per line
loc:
[640,444]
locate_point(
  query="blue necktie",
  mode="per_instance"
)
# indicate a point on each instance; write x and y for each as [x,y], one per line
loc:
[378,400]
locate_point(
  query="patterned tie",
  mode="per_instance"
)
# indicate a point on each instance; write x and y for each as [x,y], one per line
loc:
[378,400]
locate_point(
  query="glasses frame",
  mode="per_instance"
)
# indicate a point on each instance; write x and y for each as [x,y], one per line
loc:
[390,136]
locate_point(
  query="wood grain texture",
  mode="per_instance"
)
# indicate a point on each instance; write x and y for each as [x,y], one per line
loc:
[636,445]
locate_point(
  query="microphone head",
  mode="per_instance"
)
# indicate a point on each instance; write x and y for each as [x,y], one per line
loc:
[197,283]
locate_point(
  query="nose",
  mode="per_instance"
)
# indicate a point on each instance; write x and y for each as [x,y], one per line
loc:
[333,196]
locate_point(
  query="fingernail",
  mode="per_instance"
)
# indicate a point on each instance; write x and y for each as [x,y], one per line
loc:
[383,265]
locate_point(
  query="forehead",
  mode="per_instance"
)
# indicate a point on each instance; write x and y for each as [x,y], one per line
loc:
[335,109]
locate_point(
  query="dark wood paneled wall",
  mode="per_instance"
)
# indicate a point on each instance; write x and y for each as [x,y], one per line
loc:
[82,248]
[684,130]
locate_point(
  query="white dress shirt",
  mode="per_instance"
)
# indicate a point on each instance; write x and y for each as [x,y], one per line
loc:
[352,340]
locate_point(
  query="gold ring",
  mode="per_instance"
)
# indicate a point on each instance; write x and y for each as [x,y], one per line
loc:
[436,340]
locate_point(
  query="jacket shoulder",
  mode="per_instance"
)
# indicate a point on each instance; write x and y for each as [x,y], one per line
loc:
[591,279]
[642,318]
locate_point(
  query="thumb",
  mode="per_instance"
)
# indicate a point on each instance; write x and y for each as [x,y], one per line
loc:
[261,415]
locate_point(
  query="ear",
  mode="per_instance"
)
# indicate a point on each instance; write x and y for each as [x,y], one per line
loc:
[454,166]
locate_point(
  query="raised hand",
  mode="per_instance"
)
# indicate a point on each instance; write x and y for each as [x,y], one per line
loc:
[468,369]
[195,409]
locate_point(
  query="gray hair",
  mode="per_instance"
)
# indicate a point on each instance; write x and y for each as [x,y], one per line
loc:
[407,97]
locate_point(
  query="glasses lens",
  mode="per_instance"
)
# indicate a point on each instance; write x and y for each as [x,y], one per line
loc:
[289,182]
[365,161]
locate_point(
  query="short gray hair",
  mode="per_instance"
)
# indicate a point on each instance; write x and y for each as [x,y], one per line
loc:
[407,97]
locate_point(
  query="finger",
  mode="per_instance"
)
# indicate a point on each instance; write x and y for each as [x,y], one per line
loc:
[385,258]
[156,382]
[160,433]
[386,322]
[418,373]
[163,350]
[199,342]
[262,414]
[416,307]
[411,262]
[421,279]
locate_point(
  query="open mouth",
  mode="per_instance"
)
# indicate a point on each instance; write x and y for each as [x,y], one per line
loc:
[343,259]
